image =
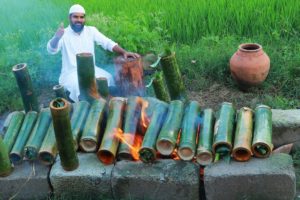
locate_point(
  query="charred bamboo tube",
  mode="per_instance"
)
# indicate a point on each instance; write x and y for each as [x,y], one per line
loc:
[262,139]
[204,150]
[147,151]
[78,120]
[13,129]
[159,87]
[17,152]
[223,130]
[63,133]
[133,110]
[243,135]
[7,121]
[190,125]
[48,150]
[110,142]
[37,135]
[102,86]
[86,77]
[91,131]
[25,85]
[167,138]
[5,165]
[59,91]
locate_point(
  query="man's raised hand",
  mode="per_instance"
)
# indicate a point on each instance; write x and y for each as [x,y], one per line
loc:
[60,31]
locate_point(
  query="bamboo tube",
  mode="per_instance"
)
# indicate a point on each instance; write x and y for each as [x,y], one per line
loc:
[48,150]
[5,165]
[262,140]
[190,125]
[78,119]
[91,132]
[223,130]
[132,113]
[63,134]
[204,150]
[147,151]
[17,152]
[167,138]
[159,87]
[109,145]
[59,91]
[13,129]
[243,135]
[37,135]
[102,86]
[86,77]
[7,121]
[25,85]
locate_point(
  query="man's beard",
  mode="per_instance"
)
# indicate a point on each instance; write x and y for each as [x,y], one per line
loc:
[77,27]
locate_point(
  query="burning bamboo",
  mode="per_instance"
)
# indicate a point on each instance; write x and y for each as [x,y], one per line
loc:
[37,136]
[25,85]
[102,86]
[262,140]
[110,141]
[243,135]
[17,152]
[190,125]
[63,134]
[167,138]
[159,87]
[5,165]
[48,150]
[59,91]
[91,132]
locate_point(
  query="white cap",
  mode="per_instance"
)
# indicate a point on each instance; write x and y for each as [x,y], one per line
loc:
[76,8]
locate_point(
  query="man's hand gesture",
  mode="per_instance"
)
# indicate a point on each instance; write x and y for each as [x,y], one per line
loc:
[60,31]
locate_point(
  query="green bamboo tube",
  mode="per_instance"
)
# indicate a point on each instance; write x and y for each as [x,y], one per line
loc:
[190,124]
[223,130]
[37,135]
[91,131]
[102,86]
[204,150]
[5,165]
[159,87]
[7,121]
[243,135]
[48,150]
[262,139]
[63,133]
[17,152]
[13,129]
[109,145]
[29,98]
[86,77]
[147,151]
[132,114]
[78,119]
[166,141]
[59,91]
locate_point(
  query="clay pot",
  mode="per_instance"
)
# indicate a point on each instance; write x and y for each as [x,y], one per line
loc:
[250,65]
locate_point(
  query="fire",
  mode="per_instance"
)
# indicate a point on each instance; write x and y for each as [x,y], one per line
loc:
[144,119]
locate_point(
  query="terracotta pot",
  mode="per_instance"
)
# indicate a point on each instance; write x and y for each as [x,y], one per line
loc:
[250,65]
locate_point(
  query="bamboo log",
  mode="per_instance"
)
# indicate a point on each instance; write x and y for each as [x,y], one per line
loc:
[48,150]
[159,87]
[205,139]
[63,134]
[167,138]
[86,77]
[25,85]
[102,86]
[147,151]
[262,140]
[59,91]
[190,127]
[92,128]
[7,122]
[243,135]
[110,142]
[5,165]
[17,152]
[37,135]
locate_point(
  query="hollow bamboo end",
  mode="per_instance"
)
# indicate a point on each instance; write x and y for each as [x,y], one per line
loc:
[15,157]
[106,157]
[219,146]
[241,154]
[57,87]
[204,158]
[185,153]
[46,158]
[261,150]
[88,145]
[59,104]
[19,67]
[165,147]
[147,155]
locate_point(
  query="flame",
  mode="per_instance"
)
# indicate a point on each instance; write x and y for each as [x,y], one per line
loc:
[145,121]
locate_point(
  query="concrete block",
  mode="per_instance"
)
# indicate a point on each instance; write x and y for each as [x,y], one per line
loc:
[91,180]
[165,179]
[268,179]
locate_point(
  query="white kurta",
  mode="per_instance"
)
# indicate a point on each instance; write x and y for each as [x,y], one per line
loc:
[73,43]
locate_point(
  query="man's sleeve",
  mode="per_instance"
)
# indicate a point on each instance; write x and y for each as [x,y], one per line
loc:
[102,40]
[54,50]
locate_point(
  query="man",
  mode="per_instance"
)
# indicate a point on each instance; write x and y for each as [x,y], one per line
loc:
[78,38]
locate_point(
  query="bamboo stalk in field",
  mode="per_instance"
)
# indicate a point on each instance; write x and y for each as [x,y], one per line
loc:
[91,132]
[5,165]
[37,135]
[262,139]
[190,125]
[243,135]
[110,141]
[166,141]
[63,133]
[48,150]
[59,91]
[17,152]
[204,150]
[25,85]
[102,86]
[159,87]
